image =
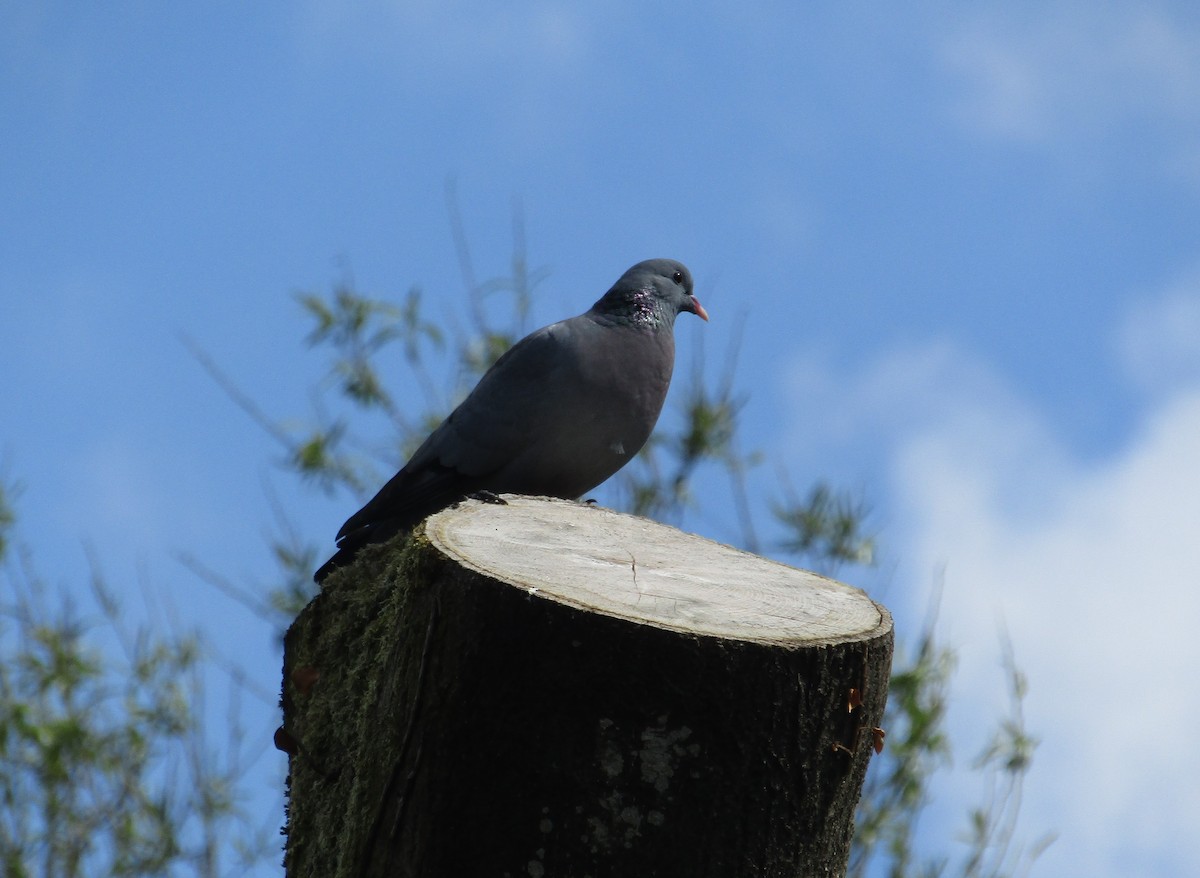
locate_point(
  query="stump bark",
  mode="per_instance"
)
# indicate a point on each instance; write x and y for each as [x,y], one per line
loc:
[550,689]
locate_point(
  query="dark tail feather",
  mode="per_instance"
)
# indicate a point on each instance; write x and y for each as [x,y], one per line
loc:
[348,546]
[340,559]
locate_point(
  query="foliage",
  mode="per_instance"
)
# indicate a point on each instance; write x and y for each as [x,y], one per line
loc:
[897,790]
[104,766]
[897,785]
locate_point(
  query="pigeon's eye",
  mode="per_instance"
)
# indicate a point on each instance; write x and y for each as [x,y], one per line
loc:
[677,277]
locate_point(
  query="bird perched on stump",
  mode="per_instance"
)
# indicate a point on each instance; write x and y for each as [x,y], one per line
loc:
[561,411]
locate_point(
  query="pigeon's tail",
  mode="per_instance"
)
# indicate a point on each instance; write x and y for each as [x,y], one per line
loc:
[340,559]
[401,504]
[348,546]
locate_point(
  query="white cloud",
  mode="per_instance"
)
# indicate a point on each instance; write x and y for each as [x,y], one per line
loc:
[900,394]
[1096,578]
[1079,73]
[1093,567]
[1159,344]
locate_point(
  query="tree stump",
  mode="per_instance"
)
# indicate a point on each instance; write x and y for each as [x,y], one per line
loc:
[545,688]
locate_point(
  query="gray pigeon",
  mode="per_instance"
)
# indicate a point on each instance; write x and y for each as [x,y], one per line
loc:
[557,414]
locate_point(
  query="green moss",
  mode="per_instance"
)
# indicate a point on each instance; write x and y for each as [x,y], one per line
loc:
[363,634]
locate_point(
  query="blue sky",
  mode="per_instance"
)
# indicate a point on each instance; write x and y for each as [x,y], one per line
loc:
[965,241]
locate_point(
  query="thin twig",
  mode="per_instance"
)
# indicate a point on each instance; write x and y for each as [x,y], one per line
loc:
[240,399]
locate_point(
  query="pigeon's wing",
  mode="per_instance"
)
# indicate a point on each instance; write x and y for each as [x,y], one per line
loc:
[515,402]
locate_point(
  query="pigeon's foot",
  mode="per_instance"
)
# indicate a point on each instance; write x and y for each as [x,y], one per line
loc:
[488,497]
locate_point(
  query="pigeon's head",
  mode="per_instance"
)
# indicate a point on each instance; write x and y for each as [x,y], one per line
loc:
[651,293]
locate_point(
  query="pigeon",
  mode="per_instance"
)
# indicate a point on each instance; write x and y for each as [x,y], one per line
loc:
[561,411]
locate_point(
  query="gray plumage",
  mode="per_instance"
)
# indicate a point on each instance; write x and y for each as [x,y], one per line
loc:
[557,414]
